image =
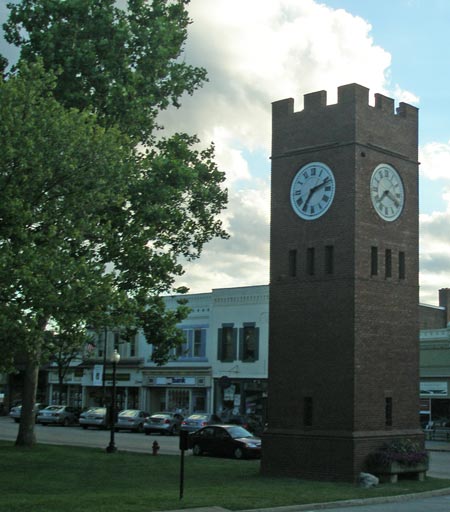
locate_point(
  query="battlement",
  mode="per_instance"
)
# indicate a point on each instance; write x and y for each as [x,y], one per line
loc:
[350,95]
[352,120]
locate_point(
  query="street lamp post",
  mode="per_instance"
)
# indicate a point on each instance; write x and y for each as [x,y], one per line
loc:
[115,358]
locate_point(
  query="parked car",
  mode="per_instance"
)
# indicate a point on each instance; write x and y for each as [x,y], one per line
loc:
[58,415]
[226,440]
[163,423]
[94,417]
[199,420]
[16,412]
[131,419]
[250,422]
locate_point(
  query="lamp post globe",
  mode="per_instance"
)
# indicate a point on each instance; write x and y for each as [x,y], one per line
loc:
[115,358]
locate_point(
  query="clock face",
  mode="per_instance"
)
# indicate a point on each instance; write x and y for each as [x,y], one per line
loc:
[387,192]
[312,190]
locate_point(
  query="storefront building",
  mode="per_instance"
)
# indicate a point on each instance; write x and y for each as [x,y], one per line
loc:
[222,367]
[435,361]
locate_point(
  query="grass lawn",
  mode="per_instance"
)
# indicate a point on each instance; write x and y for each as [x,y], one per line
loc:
[70,479]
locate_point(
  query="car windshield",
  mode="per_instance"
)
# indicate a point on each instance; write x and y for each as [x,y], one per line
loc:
[160,415]
[98,410]
[54,407]
[198,417]
[238,432]
[128,413]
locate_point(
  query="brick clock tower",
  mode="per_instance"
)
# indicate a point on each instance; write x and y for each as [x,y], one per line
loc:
[344,334]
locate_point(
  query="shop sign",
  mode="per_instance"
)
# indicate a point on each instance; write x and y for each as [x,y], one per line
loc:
[120,377]
[228,394]
[434,388]
[97,376]
[179,381]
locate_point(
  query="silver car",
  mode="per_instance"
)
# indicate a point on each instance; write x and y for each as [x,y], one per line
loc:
[131,419]
[163,423]
[58,415]
[16,412]
[94,417]
[199,420]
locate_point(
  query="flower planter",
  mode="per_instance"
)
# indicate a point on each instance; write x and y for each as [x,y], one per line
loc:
[390,472]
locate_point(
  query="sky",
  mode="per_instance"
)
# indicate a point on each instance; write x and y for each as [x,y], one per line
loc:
[260,51]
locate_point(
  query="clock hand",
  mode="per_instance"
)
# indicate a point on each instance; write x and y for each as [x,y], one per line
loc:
[324,182]
[391,196]
[312,190]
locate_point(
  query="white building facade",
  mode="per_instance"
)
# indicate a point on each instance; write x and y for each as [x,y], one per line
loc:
[221,368]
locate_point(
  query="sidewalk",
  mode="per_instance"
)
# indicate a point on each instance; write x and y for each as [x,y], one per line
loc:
[437,446]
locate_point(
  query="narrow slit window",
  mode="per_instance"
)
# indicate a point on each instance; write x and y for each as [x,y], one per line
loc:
[307,411]
[388,263]
[329,259]
[388,411]
[374,261]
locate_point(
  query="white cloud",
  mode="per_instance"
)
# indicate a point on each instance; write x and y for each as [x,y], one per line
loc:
[243,259]
[257,52]
[228,155]
[434,254]
[435,160]
[405,96]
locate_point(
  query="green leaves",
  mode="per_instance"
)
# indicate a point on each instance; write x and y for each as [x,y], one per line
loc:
[121,64]
[91,227]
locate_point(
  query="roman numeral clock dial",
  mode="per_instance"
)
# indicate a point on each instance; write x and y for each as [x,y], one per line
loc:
[387,192]
[312,190]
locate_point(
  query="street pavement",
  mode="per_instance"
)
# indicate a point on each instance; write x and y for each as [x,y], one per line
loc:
[435,501]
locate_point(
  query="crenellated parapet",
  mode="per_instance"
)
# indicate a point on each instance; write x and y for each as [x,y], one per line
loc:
[340,123]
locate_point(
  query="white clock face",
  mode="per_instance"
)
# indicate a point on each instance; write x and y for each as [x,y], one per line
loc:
[387,192]
[312,190]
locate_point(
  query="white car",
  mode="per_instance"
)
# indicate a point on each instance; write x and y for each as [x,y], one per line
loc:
[131,419]
[16,412]
[58,415]
[94,417]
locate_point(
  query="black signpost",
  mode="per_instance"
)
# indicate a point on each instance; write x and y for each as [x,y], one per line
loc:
[184,445]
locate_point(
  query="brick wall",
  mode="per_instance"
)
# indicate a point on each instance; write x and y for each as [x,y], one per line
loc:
[346,341]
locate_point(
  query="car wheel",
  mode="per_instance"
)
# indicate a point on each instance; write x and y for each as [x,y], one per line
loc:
[238,453]
[66,422]
[147,432]
[84,427]
[16,420]
[196,450]
[140,428]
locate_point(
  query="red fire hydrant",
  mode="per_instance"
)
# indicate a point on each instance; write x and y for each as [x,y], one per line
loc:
[155,448]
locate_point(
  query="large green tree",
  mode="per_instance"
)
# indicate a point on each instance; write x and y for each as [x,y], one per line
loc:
[93,222]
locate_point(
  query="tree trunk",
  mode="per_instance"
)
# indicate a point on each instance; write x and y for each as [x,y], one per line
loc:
[26,436]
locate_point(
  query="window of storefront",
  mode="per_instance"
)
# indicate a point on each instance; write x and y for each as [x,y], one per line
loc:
[248,343]
[195,344]
[227,342]
[178,399]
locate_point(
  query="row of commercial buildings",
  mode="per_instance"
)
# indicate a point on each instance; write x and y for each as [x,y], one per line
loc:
[223,365]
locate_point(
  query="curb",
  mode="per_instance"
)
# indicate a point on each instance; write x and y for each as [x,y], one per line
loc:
[329,504]
[353,503]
